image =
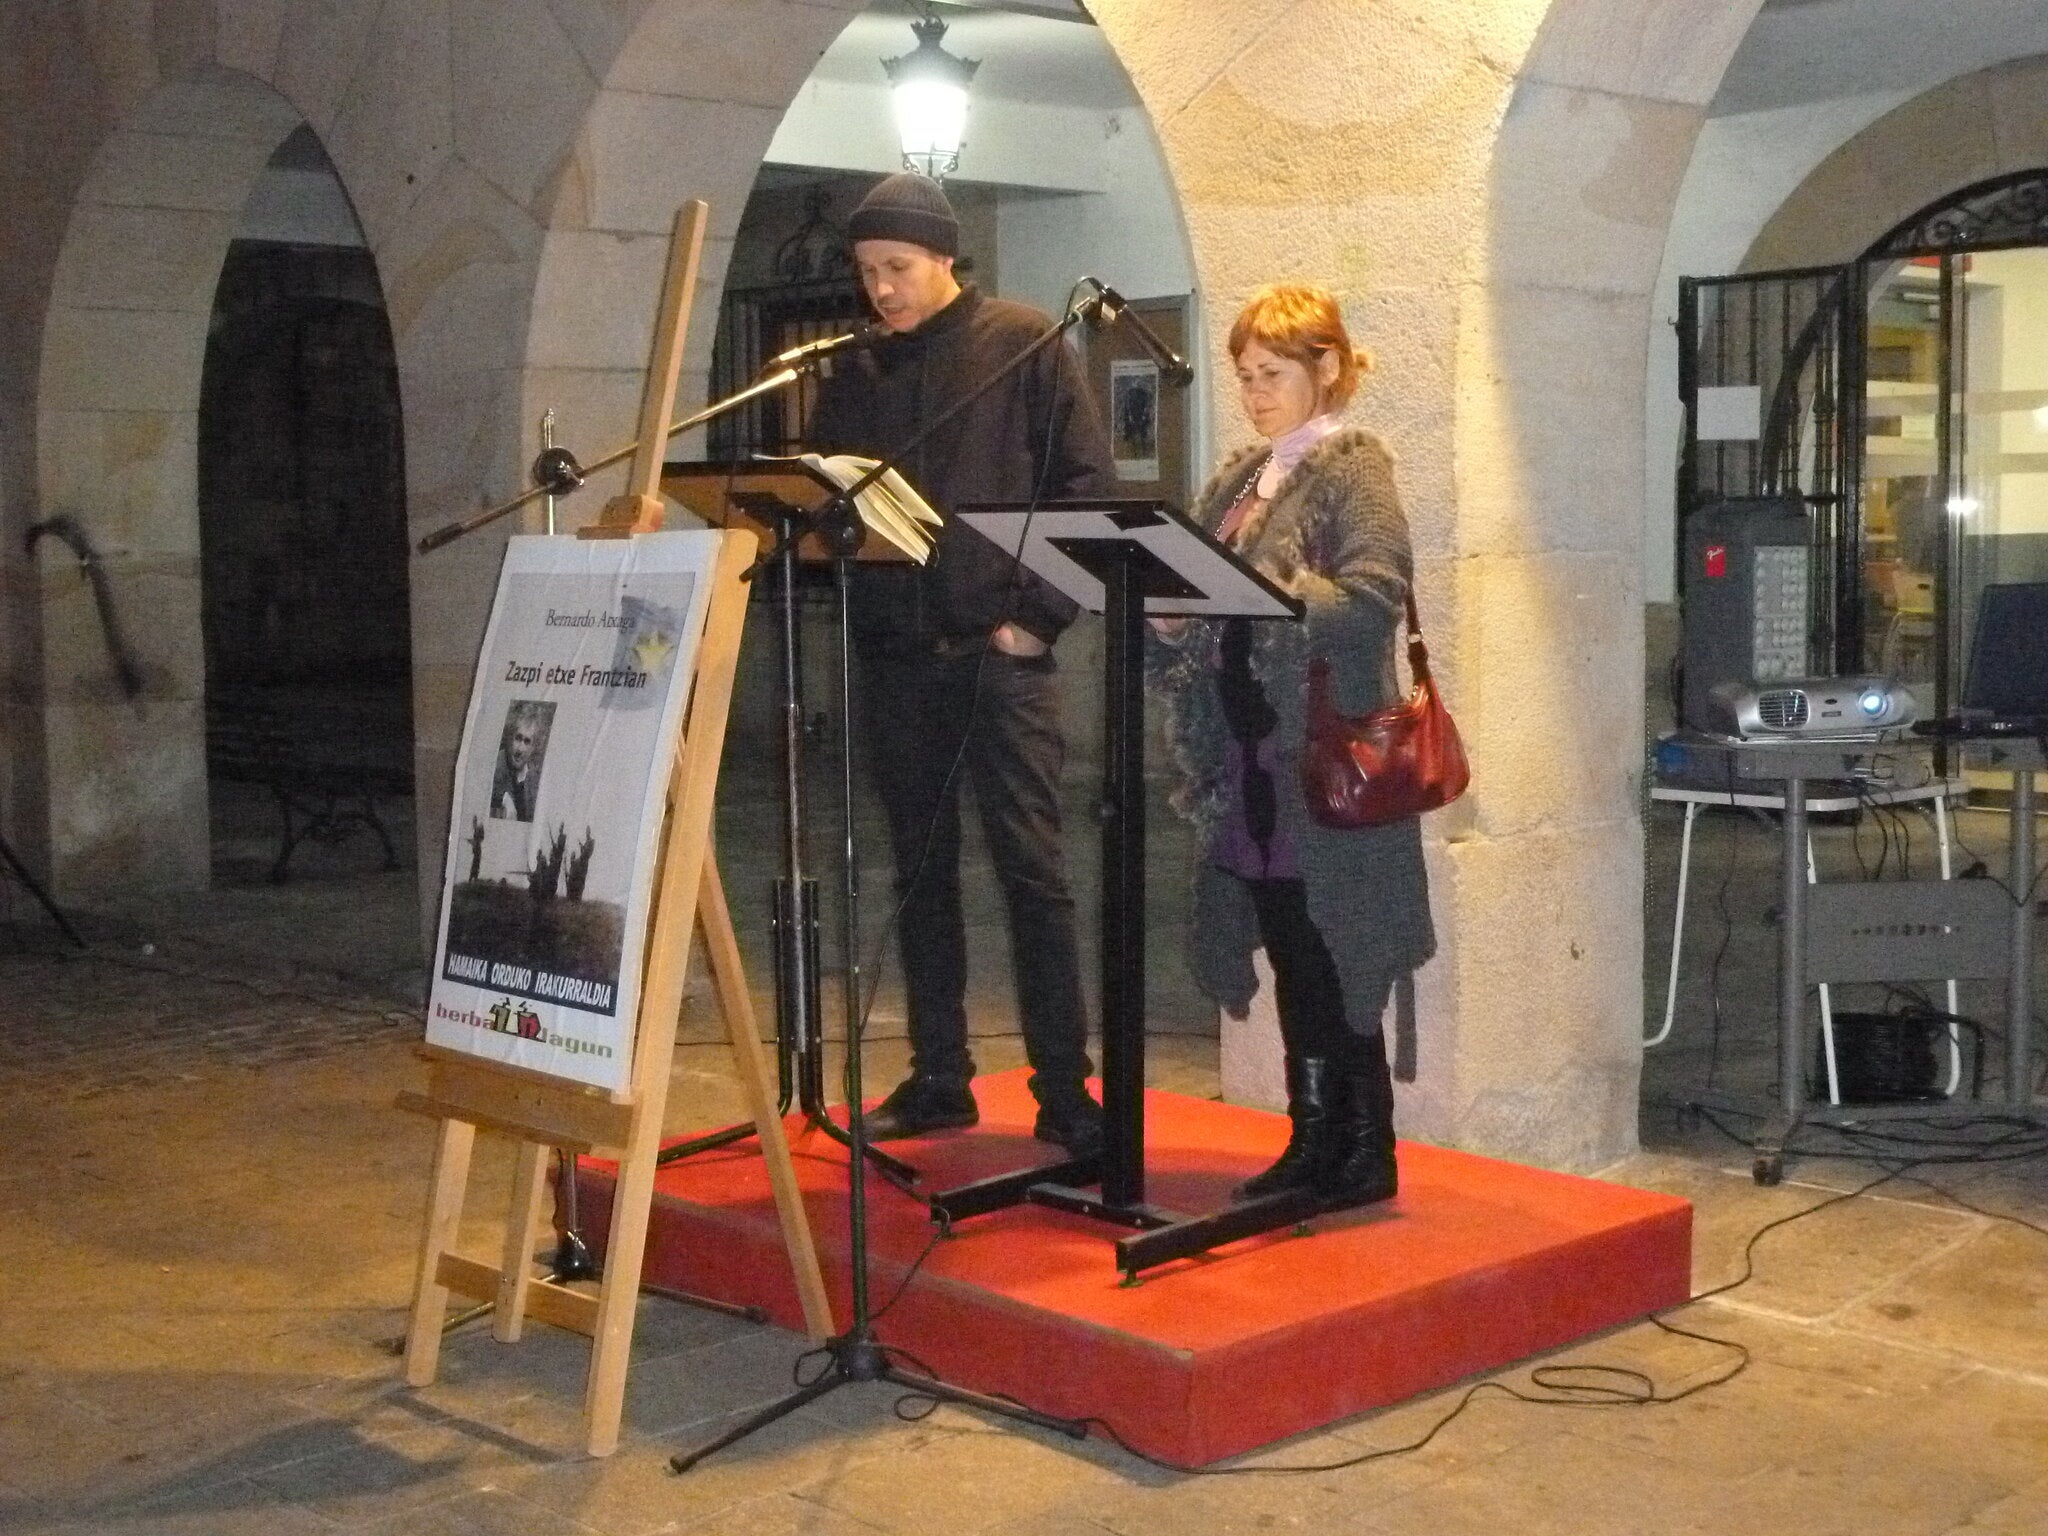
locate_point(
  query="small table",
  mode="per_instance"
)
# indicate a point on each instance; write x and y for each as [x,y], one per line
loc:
[1939,793]
[1886,930]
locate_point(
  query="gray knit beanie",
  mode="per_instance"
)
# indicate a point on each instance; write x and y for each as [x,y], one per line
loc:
[910,207]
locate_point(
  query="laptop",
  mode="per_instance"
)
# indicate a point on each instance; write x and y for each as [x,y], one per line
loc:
[2005,687]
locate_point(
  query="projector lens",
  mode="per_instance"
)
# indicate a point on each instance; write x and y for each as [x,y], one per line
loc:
[1872,702]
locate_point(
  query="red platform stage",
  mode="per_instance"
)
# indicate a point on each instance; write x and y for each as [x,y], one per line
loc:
[1475,1264]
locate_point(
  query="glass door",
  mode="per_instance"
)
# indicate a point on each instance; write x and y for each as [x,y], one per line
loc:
[1998,501]
[1954,478]
[1903,527]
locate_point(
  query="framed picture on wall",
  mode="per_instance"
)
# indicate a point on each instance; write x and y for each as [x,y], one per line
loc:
[1148,421]
[1134,418]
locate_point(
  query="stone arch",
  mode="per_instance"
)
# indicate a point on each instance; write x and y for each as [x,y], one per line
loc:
[117,422]
[1972,129]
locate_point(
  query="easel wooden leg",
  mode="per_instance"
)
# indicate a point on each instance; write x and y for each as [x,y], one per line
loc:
[522,1231]
[729,982]
[444,1221]
[619,1293]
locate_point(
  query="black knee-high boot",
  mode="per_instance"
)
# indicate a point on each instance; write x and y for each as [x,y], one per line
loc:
[1314,1106]
[1360,1168]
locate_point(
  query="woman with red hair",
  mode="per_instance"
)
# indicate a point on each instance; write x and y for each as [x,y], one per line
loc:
[1343,915]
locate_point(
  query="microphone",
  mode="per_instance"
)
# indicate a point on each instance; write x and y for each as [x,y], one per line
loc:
[1112,307]
[825,346]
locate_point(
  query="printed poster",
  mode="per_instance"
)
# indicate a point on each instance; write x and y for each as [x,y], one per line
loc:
[1134,418]
[560,786]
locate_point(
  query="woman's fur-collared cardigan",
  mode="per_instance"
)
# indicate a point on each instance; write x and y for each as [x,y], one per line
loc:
[1335,538]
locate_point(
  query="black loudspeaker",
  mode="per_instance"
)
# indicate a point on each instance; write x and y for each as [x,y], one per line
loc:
[1883,1058]
[1746,601]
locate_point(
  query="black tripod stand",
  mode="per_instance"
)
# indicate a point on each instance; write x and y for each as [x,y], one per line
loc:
[858,1354]
[21,872]
[799,973]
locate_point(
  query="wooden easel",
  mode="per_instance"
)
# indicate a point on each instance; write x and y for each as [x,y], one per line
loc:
[541,1112]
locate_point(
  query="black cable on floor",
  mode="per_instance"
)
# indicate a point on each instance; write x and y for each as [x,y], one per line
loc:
[1607,1386]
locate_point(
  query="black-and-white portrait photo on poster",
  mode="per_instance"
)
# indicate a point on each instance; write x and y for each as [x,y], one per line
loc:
[1134,417]
[522,749]
[559,790]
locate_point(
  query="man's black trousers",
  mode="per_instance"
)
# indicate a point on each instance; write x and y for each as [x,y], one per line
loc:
[915,715]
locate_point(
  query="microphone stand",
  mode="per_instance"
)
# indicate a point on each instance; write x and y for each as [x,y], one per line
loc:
[859,1354]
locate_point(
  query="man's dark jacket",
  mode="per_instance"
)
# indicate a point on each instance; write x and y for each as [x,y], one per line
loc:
[1035,435]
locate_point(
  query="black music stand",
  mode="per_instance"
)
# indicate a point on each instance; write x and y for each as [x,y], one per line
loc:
[1127,560]
[782,499]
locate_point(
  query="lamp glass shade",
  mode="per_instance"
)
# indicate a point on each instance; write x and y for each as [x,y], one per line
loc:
[931,121]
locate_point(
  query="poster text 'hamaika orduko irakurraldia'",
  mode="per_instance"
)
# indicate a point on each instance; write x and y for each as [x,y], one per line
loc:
[559,786]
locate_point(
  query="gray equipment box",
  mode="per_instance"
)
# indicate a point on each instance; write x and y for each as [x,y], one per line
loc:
[1746,601]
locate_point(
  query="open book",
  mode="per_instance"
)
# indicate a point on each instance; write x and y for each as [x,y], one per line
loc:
[888,508]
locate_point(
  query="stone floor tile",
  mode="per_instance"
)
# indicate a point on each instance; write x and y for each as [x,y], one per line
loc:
[19,1512]
[483,1512]
[1564,1485]
[406,1472]
[635,1492]
[1989,1422]
[1763,1421]
[1866,1497]
[475,1366]
[2023,1514]
[1444,1434]
[1830,1349]
[1987,1301]
[1243,1505]
[662,1327]
[224,1509]
[781,1514]
[960,1483]
[1819,1263]
[373,1408]
[1058,1523]
[749,1370]
[143,1401]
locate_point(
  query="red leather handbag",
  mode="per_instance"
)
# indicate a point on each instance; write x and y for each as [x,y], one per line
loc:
[1369,770]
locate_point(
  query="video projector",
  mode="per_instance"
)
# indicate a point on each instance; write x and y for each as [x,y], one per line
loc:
[1810,708]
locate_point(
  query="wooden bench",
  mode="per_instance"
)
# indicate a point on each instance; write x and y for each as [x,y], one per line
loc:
[321,773]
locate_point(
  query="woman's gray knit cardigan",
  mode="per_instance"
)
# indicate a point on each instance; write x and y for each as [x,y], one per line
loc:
[1335,538]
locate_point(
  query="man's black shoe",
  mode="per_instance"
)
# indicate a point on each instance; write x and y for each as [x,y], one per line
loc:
[922,1104]
[1074,1123]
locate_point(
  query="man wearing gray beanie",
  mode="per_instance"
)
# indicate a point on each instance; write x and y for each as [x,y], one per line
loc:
[956,665]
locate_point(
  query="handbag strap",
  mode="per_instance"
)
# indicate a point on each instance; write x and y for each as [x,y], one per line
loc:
[1418,653]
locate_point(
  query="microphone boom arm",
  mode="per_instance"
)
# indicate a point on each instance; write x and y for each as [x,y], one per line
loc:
[572,474]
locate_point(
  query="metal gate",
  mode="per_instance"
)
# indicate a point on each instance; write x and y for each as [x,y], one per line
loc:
[1767,371]
[1777,372]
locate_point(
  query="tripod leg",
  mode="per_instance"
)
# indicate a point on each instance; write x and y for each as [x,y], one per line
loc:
[42,896]
[682,1461]
[572,1255]
[1004,1407]
[893,1169]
